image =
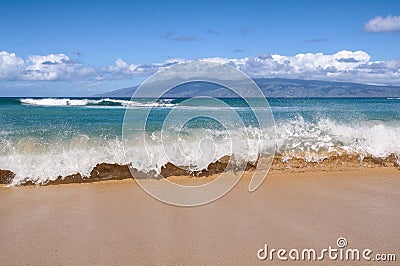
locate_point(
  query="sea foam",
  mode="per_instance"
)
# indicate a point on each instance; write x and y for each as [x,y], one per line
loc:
[33,159]
[94,102]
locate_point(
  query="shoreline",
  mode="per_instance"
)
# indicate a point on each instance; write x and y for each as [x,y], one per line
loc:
[190,180]
[333,163]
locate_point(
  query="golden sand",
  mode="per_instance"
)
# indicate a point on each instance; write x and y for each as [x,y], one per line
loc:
[115,222]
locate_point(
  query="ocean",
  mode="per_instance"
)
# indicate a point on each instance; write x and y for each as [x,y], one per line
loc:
[42,139]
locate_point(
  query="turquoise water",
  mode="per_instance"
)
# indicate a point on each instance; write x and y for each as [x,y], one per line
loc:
[42,138]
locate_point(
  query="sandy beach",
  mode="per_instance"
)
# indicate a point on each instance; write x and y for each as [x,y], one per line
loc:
[115,222]
[199,133]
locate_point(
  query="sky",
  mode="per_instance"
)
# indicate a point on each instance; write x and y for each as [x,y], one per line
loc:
[79,48]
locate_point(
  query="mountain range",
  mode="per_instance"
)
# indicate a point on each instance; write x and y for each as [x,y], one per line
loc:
[274,87]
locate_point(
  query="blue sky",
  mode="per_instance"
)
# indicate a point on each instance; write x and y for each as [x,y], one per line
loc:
[89,37]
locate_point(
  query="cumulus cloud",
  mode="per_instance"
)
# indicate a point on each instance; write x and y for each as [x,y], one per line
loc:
[122,69]
[50,67]
[351,66]
[54,67]
[342,66]
[308,64]
[10,66]
[380,24]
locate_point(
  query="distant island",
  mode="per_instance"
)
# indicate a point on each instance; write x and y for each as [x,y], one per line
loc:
[275,87]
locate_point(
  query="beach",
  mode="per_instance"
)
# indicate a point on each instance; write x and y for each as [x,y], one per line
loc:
[199,133]
[115,222]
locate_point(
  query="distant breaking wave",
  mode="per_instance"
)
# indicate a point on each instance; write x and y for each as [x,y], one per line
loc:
[94,102]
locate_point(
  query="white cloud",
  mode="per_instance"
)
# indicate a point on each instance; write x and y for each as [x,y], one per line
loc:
[122,68]
[54,67]
[380,24]
[341,66]
[308,64]
[50,67]
[352,66]
[10,66]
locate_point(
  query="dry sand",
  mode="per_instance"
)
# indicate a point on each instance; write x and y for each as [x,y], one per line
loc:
[115,222]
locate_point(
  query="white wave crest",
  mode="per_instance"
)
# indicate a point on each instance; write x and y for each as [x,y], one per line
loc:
[32,159]
[97,102]
[314,140]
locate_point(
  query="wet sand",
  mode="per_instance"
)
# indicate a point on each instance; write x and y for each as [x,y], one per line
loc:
[115,222]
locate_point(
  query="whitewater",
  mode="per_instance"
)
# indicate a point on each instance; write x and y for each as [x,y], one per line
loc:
[45,139]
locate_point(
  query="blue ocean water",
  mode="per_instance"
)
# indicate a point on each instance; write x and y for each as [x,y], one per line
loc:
[43,138]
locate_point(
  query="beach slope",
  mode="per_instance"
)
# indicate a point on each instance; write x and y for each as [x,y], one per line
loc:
[115,222]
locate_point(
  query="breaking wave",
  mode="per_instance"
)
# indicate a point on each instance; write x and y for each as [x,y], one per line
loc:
[37,161]
[95,102]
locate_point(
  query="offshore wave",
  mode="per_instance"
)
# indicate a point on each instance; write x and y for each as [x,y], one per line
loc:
[299,144]
[94,102]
